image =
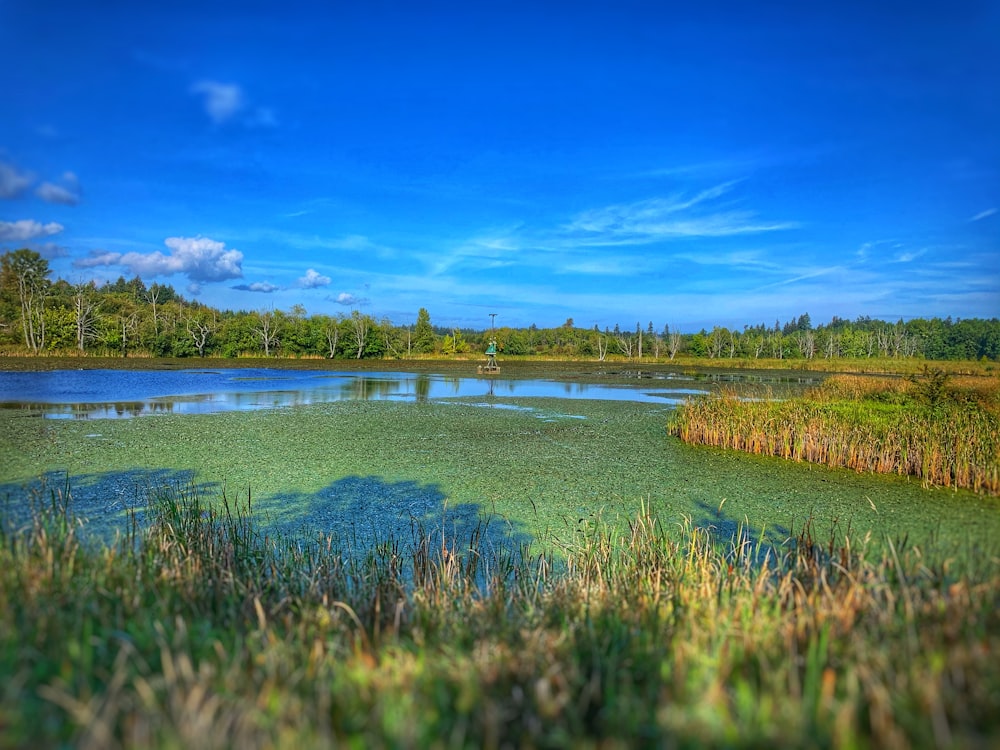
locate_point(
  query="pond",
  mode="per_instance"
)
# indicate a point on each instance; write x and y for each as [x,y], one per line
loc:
[112,394]
[368,454]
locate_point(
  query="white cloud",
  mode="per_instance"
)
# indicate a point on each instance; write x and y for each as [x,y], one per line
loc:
[199,258]
[27,229]
[617,266]
[658,219]
[909,256]
[265,287]
[349,300]
[194,288]
[98,258]
[12,182]
[983,214]
[222,101]
[808,274]
[67,194]
[314,279]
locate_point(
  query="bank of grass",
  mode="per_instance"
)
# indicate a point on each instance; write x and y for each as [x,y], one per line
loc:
[940,427]
[510,366]
[195,629]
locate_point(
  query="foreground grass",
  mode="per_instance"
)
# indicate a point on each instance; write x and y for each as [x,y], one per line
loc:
[943,429]
[195,629]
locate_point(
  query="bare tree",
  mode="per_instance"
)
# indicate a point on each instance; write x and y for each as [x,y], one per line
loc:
[200,329]
[602,347]
[360,327]
[267,329]
[674,341]
[128,324]
[892,341]
[331,331]
[832,348]
[755,343]
[806,341]
[626,344]
[716,342]
[776,340]
[869,343]
[84,315]
[391,336]
[152,296]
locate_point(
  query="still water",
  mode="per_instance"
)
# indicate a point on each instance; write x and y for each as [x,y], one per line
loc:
[113,394]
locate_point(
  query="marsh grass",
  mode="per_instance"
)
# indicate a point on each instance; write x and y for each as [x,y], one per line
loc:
[198,629]
[944,429]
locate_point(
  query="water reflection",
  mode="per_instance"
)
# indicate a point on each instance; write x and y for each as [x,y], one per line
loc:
[113,394]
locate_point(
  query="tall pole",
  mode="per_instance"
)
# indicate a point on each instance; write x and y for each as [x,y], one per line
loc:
[493,317]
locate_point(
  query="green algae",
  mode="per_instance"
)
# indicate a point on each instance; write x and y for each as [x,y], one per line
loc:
[546,467]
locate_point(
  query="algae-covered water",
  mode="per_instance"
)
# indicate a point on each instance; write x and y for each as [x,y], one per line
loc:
[540,467]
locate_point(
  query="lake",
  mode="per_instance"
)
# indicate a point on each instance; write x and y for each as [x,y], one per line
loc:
[366,454]
[112,394]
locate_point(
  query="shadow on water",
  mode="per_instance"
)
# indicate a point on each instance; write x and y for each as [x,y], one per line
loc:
[737,535]
[355,513]
[361,512]
[101,500]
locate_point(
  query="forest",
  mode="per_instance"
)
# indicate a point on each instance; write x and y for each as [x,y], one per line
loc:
[129,318]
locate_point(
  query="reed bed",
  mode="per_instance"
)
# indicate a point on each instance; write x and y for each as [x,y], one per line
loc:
[944,430]
[197,629]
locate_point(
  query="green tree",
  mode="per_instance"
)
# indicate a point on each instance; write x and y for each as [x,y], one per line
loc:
[24,278]
[423,335]
[454,343]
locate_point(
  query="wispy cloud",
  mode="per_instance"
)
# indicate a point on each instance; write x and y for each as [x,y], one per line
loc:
[811,274]
[703,169]
[908,256]
[737,259]
[355,243]
[483,253]
[222,101]
[584,244]
[68,193]
[879,249]
[227,102]
[658,219]
[27,229]
[13,182]
[983,214]
[606,266]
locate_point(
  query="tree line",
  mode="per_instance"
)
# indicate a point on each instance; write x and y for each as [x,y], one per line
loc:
[127,317]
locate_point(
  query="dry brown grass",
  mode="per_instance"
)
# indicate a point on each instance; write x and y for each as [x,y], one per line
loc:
[947,432]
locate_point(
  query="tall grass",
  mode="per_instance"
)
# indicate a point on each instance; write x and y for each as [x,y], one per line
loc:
[196,629]
[946,434]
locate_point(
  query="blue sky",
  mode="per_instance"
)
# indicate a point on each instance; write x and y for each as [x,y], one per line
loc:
[690,164]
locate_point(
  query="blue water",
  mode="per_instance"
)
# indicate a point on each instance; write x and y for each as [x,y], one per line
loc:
[112,394]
